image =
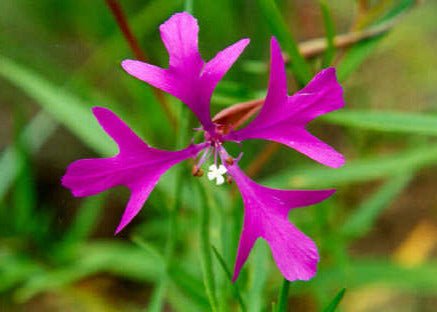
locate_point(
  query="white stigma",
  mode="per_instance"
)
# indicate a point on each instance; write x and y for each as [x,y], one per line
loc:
[217,174]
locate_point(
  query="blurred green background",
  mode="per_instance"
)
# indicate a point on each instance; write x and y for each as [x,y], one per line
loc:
[377,236]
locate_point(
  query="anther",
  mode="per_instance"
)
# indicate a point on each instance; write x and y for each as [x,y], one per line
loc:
[229,161]
[197,172]
[229,180]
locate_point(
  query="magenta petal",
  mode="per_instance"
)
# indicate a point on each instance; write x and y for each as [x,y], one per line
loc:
[137,166]
[217,67]
[188,77]
[266,216]
[283,118]
[179,35]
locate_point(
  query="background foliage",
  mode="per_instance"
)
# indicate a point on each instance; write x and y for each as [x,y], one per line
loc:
[377,236]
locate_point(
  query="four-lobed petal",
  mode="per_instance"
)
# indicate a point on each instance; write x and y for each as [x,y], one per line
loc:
[187,77]
[137,166]
[283,118]
[266,216]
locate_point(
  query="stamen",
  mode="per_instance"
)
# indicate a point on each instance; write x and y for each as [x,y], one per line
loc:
[215,155]
[239,156]
[203,157]
[197,171]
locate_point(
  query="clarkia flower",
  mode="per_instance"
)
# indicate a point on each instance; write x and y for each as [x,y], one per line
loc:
[282,119]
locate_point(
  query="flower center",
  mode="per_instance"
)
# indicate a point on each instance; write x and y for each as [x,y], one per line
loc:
[214,147]
[216,173]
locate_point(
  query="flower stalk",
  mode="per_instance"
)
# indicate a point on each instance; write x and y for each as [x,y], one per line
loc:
[205,247]
[283,297]
[158,295]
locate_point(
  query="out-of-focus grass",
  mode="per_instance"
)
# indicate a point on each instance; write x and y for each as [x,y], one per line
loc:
[60,58]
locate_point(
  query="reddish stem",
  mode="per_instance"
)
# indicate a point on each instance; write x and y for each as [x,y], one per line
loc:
[139,54]
[262,158]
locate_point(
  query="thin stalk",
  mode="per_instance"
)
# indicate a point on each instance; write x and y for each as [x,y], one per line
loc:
[329,34]
[283,296]
[205,249]
[157,299]
[262,158]
[315,47]
[188,6]
[235,288]
[139,54]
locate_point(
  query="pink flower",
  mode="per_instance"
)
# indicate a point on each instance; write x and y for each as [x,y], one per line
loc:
[282,119]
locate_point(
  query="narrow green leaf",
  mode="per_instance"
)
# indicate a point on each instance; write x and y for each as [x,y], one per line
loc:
[283,297]
[259,274]
[62,106]
[15,269]
[85,219]
[279,28]
[358,170]
[188,6]
[205,250]
[383,273]
[158,295]
[190,285]
[33,136]
[180,302]
[335,302]
[115,258]
[397,122]
[229,275]
[398,8]
[24,193]
[356,55]
[329,34]
[365,215]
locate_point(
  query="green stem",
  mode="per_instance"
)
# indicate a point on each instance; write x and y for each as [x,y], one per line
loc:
[188,7]
[283,297]
[205,249]
[235,288]
[157,298]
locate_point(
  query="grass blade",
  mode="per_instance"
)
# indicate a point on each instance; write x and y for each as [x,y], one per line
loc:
[362,219]
[358,170]
[396,122]
[205,251]
[398,8]
[116,258]
[24,193]
[62,106]
[283,297]
[329,33]
[335,302]
[382,273]
[259,275]
[15,269]
[229,275]
[85,220]
[300,67]
[355,56]
[33,136]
